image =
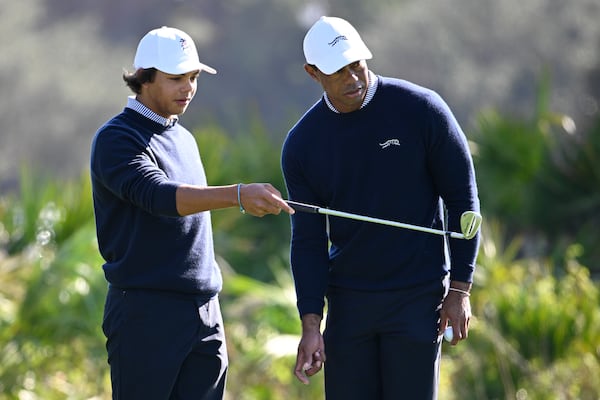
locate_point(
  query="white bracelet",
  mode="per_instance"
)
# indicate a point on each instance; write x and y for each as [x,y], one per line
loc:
[242,209]
[459,291]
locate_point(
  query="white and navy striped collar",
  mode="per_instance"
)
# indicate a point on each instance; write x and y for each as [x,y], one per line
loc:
[135,105]
[371,89]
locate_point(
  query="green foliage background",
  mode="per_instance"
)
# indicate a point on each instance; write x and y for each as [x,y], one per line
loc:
[536,332]
[535,335]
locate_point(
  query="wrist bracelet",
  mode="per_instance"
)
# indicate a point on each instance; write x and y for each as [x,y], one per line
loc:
[460,291]
[242,209]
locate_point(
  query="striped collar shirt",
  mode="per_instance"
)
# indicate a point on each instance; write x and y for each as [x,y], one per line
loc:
[135,105]
[371,89]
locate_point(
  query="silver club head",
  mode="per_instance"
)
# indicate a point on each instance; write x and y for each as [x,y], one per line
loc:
[470,221]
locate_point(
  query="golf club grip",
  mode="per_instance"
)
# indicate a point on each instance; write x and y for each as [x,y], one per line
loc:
[303,207]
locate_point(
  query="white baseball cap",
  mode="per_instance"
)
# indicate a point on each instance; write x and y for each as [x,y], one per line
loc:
[332,43]
[169,50]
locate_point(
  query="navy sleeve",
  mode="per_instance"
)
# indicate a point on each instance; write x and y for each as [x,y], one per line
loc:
[124,164]
[309,248]
[452,169]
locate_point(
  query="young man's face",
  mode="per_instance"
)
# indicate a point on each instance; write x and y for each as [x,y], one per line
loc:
[169,95]
[345,88]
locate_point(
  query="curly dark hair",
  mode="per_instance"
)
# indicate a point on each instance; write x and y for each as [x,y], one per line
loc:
[135,80]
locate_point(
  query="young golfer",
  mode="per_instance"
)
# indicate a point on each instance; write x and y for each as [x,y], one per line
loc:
[162,318]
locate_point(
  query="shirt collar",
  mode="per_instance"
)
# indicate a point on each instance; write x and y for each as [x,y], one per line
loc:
[371,89]
[135,105]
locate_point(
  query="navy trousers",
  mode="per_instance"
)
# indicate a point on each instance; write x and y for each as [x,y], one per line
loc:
[383,345]
[164,346]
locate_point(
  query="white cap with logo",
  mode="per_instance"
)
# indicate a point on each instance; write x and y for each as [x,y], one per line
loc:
[332,43]
[169,50]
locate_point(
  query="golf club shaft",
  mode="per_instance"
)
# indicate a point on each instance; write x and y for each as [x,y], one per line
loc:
[318,210]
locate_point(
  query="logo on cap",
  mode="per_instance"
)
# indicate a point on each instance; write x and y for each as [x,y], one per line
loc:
[184,45]
[337,40]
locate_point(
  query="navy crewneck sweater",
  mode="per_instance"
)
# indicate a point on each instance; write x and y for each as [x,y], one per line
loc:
[136,167]
[396,158]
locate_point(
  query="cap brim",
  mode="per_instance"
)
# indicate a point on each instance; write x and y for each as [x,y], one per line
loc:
[186,67]
[182,68]
[348,57]
[208,69]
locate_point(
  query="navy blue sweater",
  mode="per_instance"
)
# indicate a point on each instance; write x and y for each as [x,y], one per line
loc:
[396,158]
[136,167]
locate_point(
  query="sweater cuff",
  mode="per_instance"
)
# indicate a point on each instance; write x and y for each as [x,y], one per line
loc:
[311,306]
[166,199]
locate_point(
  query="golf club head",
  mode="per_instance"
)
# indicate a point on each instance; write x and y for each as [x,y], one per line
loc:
[470,221]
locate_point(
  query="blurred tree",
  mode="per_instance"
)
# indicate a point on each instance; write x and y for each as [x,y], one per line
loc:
[54,90]
[249,244]
[539,176]
[536,327]
[62,62]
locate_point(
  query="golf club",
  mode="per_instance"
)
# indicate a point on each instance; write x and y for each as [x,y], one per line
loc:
[470,221]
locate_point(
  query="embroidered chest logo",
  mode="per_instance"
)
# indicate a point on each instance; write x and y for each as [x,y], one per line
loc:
[389,142]
[337,40]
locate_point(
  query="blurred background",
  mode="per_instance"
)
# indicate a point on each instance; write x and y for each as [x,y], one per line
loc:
[523,79]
